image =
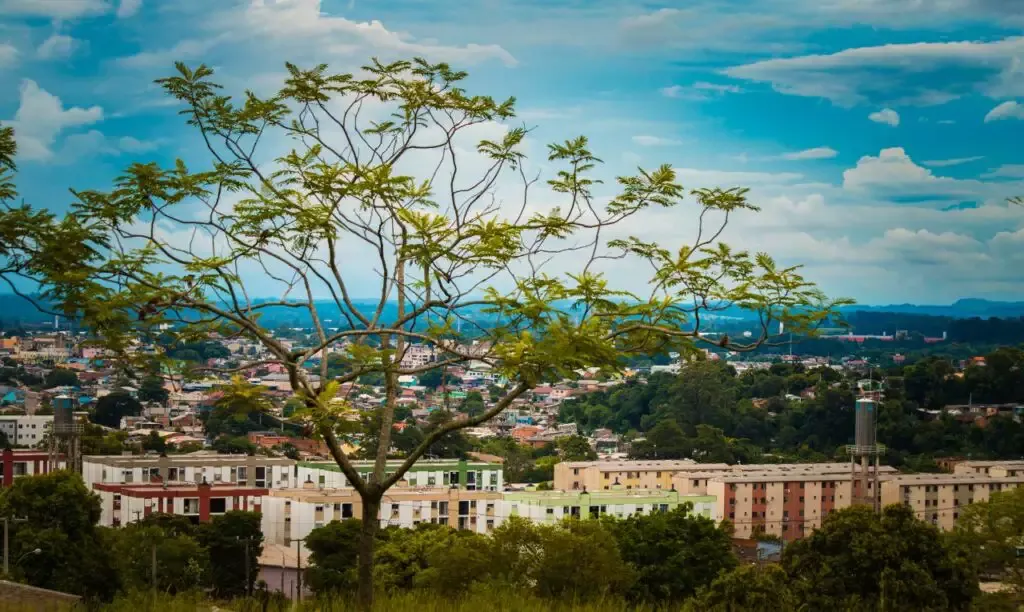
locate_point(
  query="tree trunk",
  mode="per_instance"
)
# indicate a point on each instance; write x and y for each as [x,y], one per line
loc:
[367,543]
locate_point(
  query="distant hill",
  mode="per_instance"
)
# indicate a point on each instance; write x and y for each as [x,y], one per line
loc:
[15,310]
[961,309]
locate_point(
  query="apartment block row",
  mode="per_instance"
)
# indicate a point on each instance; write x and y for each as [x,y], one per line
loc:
[791,500]
[787,500]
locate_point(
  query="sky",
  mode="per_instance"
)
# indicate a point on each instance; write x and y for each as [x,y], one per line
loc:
[880,138]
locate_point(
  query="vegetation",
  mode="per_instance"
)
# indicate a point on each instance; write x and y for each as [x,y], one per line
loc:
[708,412]
[111,408]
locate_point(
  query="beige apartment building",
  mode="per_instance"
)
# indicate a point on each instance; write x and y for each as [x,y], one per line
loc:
[938,498]
[786,500]
[1012,468]
[604,475]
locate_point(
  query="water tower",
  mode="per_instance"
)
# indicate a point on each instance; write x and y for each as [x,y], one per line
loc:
[66,437]
[865,447]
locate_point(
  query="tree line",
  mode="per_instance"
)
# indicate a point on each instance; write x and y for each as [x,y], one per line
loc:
[786,412]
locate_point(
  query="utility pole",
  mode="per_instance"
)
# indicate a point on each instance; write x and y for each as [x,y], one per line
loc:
[7,542]
[248,582]
[298,561]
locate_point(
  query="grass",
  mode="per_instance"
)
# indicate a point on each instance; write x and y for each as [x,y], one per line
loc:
[486,601]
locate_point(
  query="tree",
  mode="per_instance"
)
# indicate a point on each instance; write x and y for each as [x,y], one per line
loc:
[61,521]
[747,588]
[151,389]
[444,246]
[154,442]
[576,448]
[993,532]
[181,563]
[97,441]
[333,551]
[233,412]
[891,561]
[112,407]
[432,379]
[61,377]
[674,553]
[230,539]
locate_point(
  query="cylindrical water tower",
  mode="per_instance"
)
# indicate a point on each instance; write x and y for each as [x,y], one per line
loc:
[865,447]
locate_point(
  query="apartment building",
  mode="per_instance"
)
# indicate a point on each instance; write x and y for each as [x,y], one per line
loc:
[938,498]
[786,500]
[1012,468]
[604,475]
[25,430]
[17,463]
[241,470]
[289,515]
[121,504]
[553,506]
[468,475]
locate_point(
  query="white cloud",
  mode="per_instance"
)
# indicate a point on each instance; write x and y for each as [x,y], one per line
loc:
[945,163]
[164,58]
[717,87]
[1007,110]
[896,72]
[40,119]
[701,90]
[815,153]
[128,8]
[128,144]
[1015,171]
[302,31]
[8,55]
[56,9]
[894,175]
[887,116]
[57,46]
[654,141]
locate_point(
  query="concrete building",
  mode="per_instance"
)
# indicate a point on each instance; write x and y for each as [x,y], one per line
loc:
[603,475]
[938,498]
[289,515]
[25,430]
[553,506]
[468,475]
[121,504]
[17,463]
[967,466]
[241,470]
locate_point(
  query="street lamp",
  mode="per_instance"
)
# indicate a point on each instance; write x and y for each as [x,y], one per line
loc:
[29,553]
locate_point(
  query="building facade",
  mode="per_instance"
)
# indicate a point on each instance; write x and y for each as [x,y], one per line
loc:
[25,430]
[17,463]
[289,515]
[121,504]
[939,498]
[604,475]
[467,475]
[553,506]
[241,470]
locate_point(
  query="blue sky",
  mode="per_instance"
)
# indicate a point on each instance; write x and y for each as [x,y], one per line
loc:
[881,138]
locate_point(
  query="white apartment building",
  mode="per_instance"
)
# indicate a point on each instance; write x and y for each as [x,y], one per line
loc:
[25,430]
[241,470]
[468,475]
[289,515]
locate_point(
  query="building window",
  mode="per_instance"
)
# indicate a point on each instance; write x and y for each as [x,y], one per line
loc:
[192,505]
[218,505]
